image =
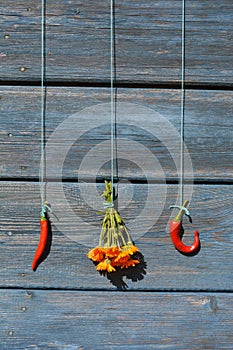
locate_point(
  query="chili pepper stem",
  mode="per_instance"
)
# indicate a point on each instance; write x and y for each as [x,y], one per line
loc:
[181,213]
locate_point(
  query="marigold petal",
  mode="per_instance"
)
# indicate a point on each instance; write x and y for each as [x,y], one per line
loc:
[130,248]
[119,261]
[105,265]
[101,266]
[122,255]
[110,268]
[130,262]
[127,250]
[112,252]
[96,254]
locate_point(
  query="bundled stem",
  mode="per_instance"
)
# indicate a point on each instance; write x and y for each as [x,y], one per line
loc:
[115,248]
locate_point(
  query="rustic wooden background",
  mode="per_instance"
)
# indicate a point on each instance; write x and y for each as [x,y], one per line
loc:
[177,302]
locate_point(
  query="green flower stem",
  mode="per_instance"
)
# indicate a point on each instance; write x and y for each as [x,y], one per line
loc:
[128,235]
[113,231]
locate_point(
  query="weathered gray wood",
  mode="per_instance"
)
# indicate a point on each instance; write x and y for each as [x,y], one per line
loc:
[67,265]
[208,132]
[148,50]
[49,320]
[148,41]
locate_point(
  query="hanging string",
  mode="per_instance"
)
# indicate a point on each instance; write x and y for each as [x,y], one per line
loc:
[182,103]
[112,93]
[42,179]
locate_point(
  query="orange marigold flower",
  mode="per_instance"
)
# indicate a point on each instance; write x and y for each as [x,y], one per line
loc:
[128,263]
[131,249]
[105,265]
[127,250]
[119,261]
[112,252]
[96,254]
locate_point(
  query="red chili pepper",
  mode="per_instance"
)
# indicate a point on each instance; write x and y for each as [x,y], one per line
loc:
[44,236]
[176,231]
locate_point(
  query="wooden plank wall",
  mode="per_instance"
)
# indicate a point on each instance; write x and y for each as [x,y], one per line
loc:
[172,301]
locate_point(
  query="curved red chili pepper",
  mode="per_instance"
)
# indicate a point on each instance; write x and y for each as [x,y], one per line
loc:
[176,231]
[44,236]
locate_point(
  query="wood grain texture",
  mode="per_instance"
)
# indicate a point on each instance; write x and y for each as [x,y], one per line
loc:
[49,320]
[67,265]
[147,38]
[175,302]
[208,133]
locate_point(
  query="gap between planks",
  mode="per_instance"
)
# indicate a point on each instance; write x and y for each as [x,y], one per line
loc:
[217,182]
[108,290]
[122,84]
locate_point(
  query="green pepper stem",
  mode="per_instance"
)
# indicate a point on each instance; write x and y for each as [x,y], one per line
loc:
[181,213]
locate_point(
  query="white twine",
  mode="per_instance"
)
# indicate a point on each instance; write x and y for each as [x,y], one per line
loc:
[42,179]
[182,103]
[112,93]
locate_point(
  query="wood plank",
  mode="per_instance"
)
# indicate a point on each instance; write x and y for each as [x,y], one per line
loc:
[148,41]
[20,40]
[99,320]
[208,133]
[78,230]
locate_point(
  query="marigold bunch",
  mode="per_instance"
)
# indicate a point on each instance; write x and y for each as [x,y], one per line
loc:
[115,249]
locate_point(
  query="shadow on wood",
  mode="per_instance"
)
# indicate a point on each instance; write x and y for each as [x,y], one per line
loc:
[133,273]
